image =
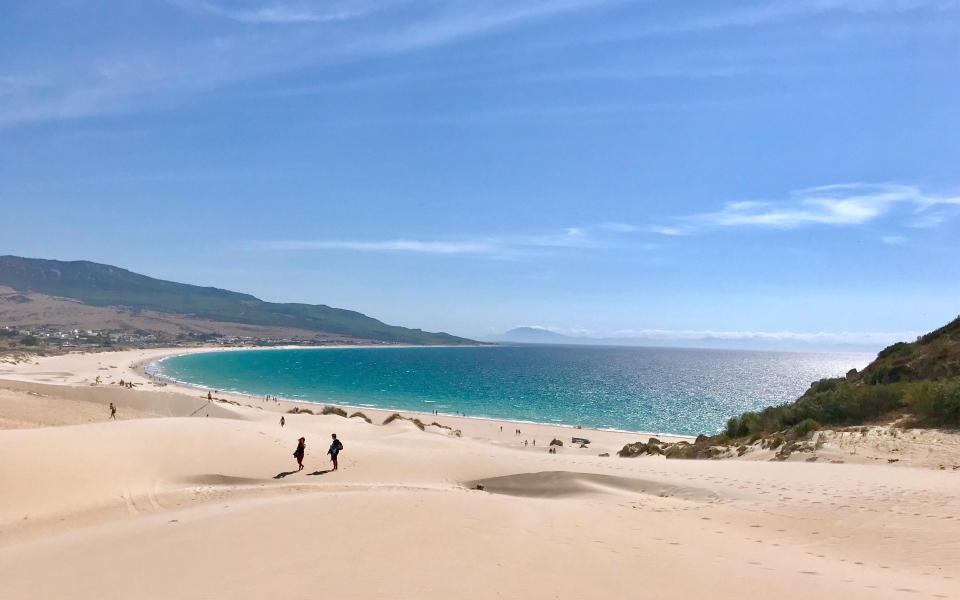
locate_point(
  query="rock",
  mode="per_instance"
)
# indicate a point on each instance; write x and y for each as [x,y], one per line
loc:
[555,442]
[786,450]
[639,449]
[480,487]
[604,454]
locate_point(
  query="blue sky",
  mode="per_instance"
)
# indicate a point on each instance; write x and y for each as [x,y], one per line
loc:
[780,169]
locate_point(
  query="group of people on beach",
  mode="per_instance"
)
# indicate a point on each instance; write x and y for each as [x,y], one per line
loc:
[333,451]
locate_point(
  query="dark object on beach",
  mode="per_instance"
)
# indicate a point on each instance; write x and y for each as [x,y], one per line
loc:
[299,452]
[604,454]
[335,447]
[283,421]
[296,410]
[578,440]
[480,487]
[652,447]
[555,442]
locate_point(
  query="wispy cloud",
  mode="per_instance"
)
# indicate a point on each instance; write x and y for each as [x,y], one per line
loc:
[273,12]
[262,38]
[878,338]
[756,14]
[145,78]
[399,245]
[894,240]
[837,205]
[499,247]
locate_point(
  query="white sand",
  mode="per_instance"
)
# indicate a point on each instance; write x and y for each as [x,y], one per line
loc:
[162,505]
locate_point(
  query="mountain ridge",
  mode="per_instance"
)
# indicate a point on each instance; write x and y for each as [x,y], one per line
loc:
[103,285]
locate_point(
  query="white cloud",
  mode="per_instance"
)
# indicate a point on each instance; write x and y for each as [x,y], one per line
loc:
[400,245]
[755,14]
[669,231]
[279,13]
[146,78]
[879,338]
[838,205]
[494,247]
[619,227]
[894,240]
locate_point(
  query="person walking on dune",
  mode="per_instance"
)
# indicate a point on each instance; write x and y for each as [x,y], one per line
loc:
[113,411]
[299,452]
[282,421]
[335,447]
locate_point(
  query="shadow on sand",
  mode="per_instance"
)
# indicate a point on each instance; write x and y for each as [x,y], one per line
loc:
[320,472]
[284,474]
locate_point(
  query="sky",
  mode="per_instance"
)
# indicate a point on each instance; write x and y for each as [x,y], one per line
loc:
[782,169]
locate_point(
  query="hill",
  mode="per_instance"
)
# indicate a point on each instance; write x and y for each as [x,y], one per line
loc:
[916,383]
[100,285]
[536,335]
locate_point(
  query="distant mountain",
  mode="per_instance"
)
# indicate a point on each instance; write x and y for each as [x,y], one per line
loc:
[536,335]
[102,285]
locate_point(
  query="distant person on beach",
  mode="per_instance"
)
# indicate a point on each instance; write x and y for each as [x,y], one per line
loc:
[113,411]
[335,447]
[299,452]
[209,396]
[282,421]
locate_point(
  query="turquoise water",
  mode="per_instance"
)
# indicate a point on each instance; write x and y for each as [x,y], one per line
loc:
[682,391]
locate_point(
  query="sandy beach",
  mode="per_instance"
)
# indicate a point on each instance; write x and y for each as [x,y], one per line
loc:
[185,498]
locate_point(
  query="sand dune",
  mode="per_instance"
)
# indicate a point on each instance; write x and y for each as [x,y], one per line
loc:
[164,505]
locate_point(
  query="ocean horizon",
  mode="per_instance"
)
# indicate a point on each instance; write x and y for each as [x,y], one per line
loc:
[680,391]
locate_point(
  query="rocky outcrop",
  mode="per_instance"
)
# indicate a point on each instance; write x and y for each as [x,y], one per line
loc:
[652,448]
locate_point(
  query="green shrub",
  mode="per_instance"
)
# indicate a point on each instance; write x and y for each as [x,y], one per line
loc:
[396,416]
[805,427]
[333,410]
[935,403]
[362,416]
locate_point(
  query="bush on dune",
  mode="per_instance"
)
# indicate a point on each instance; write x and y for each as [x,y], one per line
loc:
[837,402]
[935,403]
[398,416]
[362,416]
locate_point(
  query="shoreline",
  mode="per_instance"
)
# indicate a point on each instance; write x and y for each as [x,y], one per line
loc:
[209,492]
[142,366]
[80,369]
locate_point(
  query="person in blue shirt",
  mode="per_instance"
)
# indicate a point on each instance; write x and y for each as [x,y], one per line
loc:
[335,447]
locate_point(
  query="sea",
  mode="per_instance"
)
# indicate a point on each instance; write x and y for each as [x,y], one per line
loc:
[656,390]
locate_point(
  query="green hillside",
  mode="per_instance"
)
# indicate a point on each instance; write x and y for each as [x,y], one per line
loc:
[104,285]
[918,381]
